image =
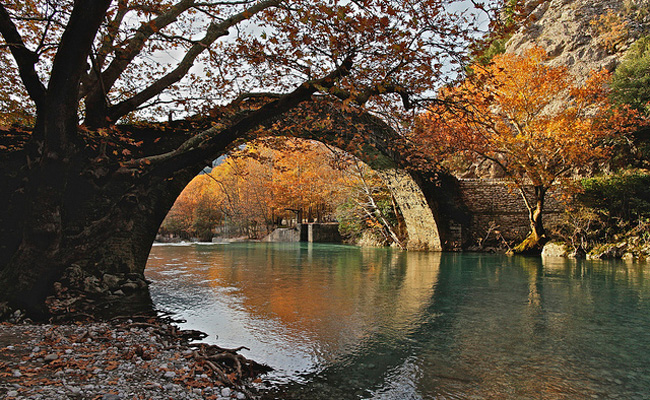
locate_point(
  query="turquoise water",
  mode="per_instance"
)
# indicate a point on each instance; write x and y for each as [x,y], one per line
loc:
[341,322]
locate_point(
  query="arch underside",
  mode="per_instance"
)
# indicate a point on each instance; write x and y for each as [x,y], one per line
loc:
[421,224]
[374,142]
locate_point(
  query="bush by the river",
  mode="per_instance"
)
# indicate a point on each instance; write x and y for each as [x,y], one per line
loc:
[611,216]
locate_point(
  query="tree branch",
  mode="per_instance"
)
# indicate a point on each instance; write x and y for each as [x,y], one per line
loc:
[124,56]
[70,62]
[363,97]
[214,31]
[205,144]
[111,33]
[25,58]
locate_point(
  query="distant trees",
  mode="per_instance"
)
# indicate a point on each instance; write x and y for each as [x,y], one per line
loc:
[276,179]
[533,120]
[631,80]
[196,211]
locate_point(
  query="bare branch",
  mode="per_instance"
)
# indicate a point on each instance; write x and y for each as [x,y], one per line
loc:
[363,97]
[112,29]
[214,31]
[25,58]
[257,95]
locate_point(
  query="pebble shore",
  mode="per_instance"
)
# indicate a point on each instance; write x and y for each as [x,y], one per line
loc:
[102,361]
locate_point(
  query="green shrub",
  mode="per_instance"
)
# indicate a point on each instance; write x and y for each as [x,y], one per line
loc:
[498,46]
[624,196]
[631,80]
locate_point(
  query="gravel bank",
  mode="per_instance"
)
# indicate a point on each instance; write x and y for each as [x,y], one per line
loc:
[110,361]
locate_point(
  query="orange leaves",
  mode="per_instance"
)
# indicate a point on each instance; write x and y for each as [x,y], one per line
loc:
[532,119]
[196,210]
[610,31]
[265,182]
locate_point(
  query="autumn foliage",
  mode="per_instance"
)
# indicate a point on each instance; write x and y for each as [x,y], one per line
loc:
[276,182]
[533,120]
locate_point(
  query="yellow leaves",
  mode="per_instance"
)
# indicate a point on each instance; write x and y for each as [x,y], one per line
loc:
[533,117]
[261,183]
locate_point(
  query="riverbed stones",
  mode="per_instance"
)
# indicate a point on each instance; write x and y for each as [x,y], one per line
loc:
[74,276]
[100,361]
[93,285]
[111,281]
[608,251]
[129,287]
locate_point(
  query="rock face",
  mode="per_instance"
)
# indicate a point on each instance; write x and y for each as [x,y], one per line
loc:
[584,35]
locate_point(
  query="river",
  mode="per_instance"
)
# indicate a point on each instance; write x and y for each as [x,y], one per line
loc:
[342,322]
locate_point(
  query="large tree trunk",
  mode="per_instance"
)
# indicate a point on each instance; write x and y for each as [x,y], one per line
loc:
[81,220]
[86,235]
[38,256]
[536,239]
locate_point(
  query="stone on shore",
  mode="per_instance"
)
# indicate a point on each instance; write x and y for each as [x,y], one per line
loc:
[554,249]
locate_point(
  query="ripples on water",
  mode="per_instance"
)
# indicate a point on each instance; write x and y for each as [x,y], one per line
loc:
[341,322]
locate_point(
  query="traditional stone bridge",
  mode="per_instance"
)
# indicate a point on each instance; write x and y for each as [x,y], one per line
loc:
[446,215]
[374,142]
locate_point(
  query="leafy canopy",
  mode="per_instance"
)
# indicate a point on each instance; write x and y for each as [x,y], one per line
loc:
[183,57]
[532,119]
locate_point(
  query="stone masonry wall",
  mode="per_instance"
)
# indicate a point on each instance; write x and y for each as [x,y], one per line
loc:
[323,233]
[283,235]
[494,202]
[421,224]
[313,233]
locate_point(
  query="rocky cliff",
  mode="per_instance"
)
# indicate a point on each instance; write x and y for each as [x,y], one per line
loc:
[584,35]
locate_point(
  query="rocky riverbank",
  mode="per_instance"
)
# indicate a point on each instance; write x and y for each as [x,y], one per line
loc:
[631,245]
[125,359]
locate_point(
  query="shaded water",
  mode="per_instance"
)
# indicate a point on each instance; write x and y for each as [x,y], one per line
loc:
[340,322]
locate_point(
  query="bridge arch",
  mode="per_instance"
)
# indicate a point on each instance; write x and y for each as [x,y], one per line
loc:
[374,142]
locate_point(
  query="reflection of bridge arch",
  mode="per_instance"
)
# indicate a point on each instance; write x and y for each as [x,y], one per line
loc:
[374,142]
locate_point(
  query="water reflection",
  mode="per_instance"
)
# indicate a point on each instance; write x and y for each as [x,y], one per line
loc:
[349,323]
[299,307]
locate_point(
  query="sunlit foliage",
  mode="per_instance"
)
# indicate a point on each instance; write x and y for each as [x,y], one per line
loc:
[533,120]
[271,183]
[631,80]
